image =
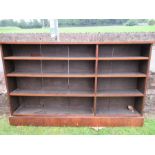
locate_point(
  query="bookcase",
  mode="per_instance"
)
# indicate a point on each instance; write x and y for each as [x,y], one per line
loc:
[76,84]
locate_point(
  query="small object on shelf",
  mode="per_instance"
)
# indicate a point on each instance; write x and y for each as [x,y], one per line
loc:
[131,108]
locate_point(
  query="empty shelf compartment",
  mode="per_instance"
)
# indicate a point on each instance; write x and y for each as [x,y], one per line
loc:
[129,50]
[54,106]
[122,67]
[121,86]
[118,106]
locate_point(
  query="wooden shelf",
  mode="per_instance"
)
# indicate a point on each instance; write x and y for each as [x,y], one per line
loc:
[121,75]
[19,92]
[123,58]
[69,110]
[47,58]
[49,75]
[53,111]
[119,93]
[117,112]
[109,93]
[72,58]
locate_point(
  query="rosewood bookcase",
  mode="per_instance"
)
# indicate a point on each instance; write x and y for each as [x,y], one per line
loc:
[76,84]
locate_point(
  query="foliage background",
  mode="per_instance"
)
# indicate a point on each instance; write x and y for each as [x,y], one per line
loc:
[38,23]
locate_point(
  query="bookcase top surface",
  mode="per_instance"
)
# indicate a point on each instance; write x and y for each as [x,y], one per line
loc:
[89,42]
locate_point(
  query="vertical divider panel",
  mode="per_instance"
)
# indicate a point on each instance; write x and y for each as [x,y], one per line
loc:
[68,72]
[96,73]
[42,79]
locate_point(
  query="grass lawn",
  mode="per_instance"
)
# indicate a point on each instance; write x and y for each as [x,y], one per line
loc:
[6,129]
[94,29]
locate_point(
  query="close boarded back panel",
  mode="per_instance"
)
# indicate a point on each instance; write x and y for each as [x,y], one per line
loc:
[120,67]
[83,67]
[120,51]
[82,50]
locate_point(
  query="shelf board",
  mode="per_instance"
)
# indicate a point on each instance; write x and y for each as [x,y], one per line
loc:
[59,111]
[47,58]
[106,93]
[123,58]
[52,75]
[72,58]
[19,92]
[120,93]
[117,112]
[53,110]
[49,75]
[122,75]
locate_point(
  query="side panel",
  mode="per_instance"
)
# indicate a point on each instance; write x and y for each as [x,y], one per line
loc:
[10,83]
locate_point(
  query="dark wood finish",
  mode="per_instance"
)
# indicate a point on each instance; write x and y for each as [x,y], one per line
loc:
[121,75]
[51,93]
[7,68]
[47,58]
[76,84]
[116,106]
[141,108]
[119,93]
[49,75]
[77,121]
[95,84]
[108,93]
[122,58]
[121,67]
[52,106]
[109,75]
